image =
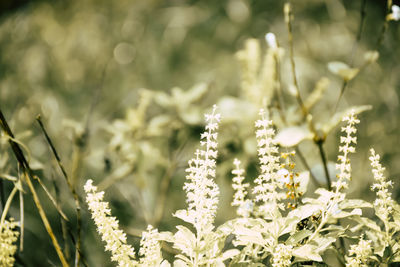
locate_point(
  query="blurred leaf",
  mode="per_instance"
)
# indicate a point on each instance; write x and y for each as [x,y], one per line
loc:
[371,56]
[319,172]
[232,108]
[338,117]
[317,93]
[343,70]
[8,177]
[158,125]
[292,136]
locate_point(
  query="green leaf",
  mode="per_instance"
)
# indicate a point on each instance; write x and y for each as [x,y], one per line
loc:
[184,240]
[307,252]
[303,179]
[184,215]
[344,214]
[354,203]
[298,236]
[165,263]
[292,136]
[368,223]
[324,243]
[180,262]
[338,117]
[229,254]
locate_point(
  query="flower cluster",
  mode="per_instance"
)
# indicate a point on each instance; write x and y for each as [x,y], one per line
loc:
[346,148]
[292,186]
[202,192]
[108,227]
[282,255]
[360,253]
[266,183]
[8,236]
[150,248]
[384,203]
[239,199]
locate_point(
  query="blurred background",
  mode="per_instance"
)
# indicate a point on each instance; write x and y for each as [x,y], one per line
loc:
[122,87]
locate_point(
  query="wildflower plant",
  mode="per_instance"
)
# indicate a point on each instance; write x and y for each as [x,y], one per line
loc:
[8,237]
[279,223]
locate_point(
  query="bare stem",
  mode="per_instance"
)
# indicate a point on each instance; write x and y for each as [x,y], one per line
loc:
[304,161]
[71,188]
[165,182]
[288,19]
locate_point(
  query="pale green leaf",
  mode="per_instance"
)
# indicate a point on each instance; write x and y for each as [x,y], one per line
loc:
[229,254]
[184,240]
[307,252]
[344,214]
[232,108]
[8,177]
[165,263]
[343,70]
[166,236]
[338,117]
[303,179]
[336,66]
[368,223]
[180,262]
[354,203]
[298,236]
[292,136]
[184,215]
[324,242]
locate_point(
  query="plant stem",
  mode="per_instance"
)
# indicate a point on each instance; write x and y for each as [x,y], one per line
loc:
[324,162]
[304,161]
[288,19]
[306,114]
[7,207]
[29,175]
[71,188]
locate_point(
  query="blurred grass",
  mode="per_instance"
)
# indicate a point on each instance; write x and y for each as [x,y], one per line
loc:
[86,61]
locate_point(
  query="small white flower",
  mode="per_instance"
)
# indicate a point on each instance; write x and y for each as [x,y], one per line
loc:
[271,40]
[347,146]
[395,12]
[284,176]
